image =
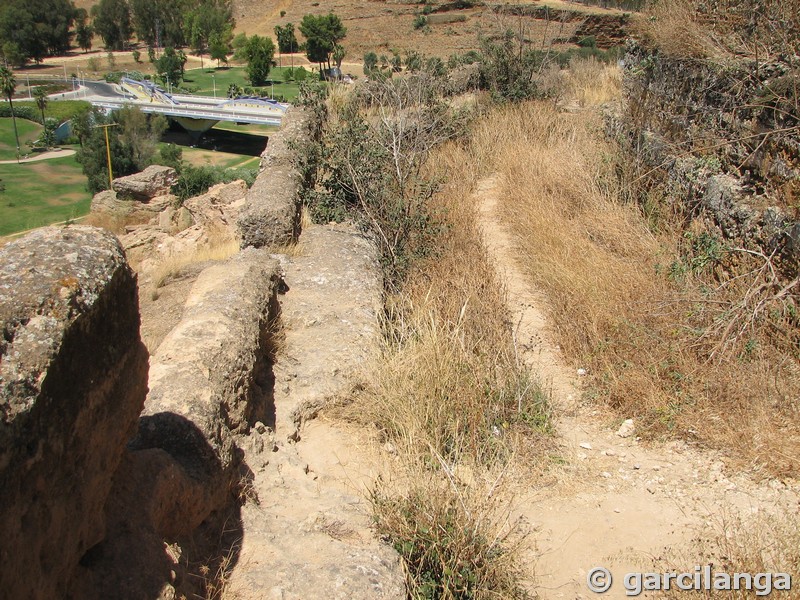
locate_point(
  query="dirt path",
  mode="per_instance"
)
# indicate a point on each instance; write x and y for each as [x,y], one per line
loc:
[618,503]
[43,156]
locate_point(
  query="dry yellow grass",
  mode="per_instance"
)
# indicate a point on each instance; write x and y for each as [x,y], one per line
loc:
[682,354]
[450,397]
[170,266]
[721,30]
[760,543]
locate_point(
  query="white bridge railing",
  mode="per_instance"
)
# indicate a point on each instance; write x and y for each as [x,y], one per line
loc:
[238,115]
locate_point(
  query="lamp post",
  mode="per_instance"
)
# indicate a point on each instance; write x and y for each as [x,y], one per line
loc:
[108,151]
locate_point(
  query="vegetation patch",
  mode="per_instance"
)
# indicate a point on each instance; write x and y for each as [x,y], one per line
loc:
[41,193]
[690,336]
[28,133]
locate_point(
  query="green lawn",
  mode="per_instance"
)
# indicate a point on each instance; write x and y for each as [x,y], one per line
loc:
[204,82]
[28,132]
[41,193]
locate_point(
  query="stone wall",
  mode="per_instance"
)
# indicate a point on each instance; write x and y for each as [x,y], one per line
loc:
[271,216]
[73,380]
[723,139]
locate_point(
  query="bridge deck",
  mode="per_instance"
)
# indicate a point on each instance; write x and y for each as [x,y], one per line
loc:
[198,111]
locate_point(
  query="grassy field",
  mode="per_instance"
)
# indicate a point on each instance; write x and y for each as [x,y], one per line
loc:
[61,110]
[28,132]
[205,79]
[227,145]
[41,193]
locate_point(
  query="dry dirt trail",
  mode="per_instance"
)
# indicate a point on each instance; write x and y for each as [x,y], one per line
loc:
[618,503]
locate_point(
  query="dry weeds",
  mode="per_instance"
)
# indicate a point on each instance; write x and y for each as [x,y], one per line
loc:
[722,30]
[761,543]
[171,265]
[458,409]
[682,354]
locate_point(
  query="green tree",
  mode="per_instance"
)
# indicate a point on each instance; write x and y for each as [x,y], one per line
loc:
[82,123]
[140,133]
[287,40]
[208,19]
[48,136]
[170,66]
[370,63]
[112,21]
[322,34]
[219,49]
[8,85]
[239,44]
[83,31]
[132,144]
[338,55]
[259,53]
[33,30]
[40,95]
[12,54]
[160,22]
[171,155]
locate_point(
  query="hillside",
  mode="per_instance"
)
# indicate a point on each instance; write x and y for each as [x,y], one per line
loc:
[383,26]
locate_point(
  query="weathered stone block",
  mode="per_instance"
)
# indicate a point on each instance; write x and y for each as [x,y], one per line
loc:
[73,379]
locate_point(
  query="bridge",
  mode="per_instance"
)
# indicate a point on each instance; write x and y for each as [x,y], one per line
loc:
[196,114]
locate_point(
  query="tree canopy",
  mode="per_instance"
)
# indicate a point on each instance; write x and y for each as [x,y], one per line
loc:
[209,21]
[159,23]
[112,22]
[32,30]
[132,143]
[287,40]
[323,33]
[170,66]
[259,52]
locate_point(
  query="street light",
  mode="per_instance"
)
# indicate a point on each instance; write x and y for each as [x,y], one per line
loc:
[108,151]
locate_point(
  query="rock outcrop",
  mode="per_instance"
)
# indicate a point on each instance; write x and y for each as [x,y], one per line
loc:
[153,182]
[73,379]
[210,380]
[271,215]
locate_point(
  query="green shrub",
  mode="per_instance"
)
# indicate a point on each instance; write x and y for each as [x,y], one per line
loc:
[420,22]
[194,181]
[21,112]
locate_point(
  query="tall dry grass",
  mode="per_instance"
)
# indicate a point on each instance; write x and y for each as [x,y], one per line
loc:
[721,30]
[760,543]
[669,344]
[457,408]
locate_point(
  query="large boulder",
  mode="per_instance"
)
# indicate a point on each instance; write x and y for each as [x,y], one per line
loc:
[219,206]
[151,183]
[73,380]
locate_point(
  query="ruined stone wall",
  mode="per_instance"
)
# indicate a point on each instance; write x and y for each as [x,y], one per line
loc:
[106,490]
[271,216]
[723,137]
